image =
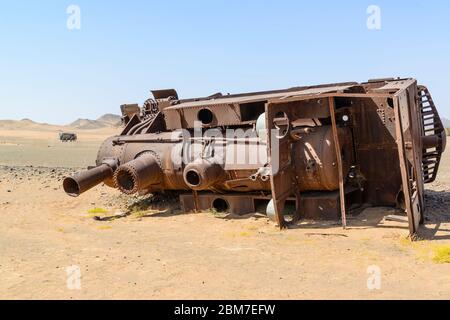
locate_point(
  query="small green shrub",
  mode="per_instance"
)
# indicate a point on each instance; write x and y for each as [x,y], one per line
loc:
[97,210]
[442,254]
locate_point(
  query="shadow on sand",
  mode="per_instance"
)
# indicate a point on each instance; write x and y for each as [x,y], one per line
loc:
[437,212]
[157,205]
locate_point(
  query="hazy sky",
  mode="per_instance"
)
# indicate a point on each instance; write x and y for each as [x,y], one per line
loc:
[125,48]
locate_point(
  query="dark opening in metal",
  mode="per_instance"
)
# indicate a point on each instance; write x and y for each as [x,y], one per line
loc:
[205,116]
[400,200]
[289,210]
[220,205]
[125,180]
[390,102]
[193,178]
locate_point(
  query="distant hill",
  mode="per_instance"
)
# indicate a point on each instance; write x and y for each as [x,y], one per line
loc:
[107,120]
[112,119]
[17,124]
[27,121]
[87,124]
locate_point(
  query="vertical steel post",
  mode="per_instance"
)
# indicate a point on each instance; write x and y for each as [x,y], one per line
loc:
[339,161]
[196,204]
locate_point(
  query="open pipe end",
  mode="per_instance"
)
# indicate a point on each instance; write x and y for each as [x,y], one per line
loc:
[71,187]
[126,180]
[193,178]
[203,174]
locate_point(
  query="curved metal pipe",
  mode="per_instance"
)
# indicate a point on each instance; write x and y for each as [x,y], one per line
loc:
[139,126]
[85,180]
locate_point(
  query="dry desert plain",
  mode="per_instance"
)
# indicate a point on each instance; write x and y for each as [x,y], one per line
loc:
[133,248]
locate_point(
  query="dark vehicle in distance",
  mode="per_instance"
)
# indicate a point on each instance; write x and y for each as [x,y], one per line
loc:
[67,137]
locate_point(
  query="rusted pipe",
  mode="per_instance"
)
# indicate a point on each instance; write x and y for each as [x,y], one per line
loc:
[85,180]
[138,174]
[202,174]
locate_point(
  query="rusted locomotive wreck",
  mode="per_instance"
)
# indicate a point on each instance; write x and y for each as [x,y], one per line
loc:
[323,151]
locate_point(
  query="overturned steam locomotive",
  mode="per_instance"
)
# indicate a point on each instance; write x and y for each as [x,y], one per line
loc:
[317,152]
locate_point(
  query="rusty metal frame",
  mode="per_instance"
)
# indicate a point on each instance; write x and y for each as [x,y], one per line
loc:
[406,107]
[282,180]
[339,161]
[408,131]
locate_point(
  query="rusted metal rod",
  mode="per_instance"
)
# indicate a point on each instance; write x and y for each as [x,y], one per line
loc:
[339,162]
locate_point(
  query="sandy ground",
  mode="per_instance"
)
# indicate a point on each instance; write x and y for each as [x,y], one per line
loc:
[123,251]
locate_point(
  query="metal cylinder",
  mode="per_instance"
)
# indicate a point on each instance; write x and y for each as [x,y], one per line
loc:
[203,174]
[138,174]
[83,181]
[315,159]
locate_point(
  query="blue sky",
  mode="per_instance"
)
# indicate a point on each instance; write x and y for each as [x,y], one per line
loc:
[125,48]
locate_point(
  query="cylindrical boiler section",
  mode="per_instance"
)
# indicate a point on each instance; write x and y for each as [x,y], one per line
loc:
[315,158]
[153,162]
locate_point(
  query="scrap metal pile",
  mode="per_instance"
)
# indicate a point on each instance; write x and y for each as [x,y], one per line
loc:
[318,152]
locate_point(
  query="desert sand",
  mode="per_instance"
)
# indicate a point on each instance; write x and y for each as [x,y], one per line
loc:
[133,248]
